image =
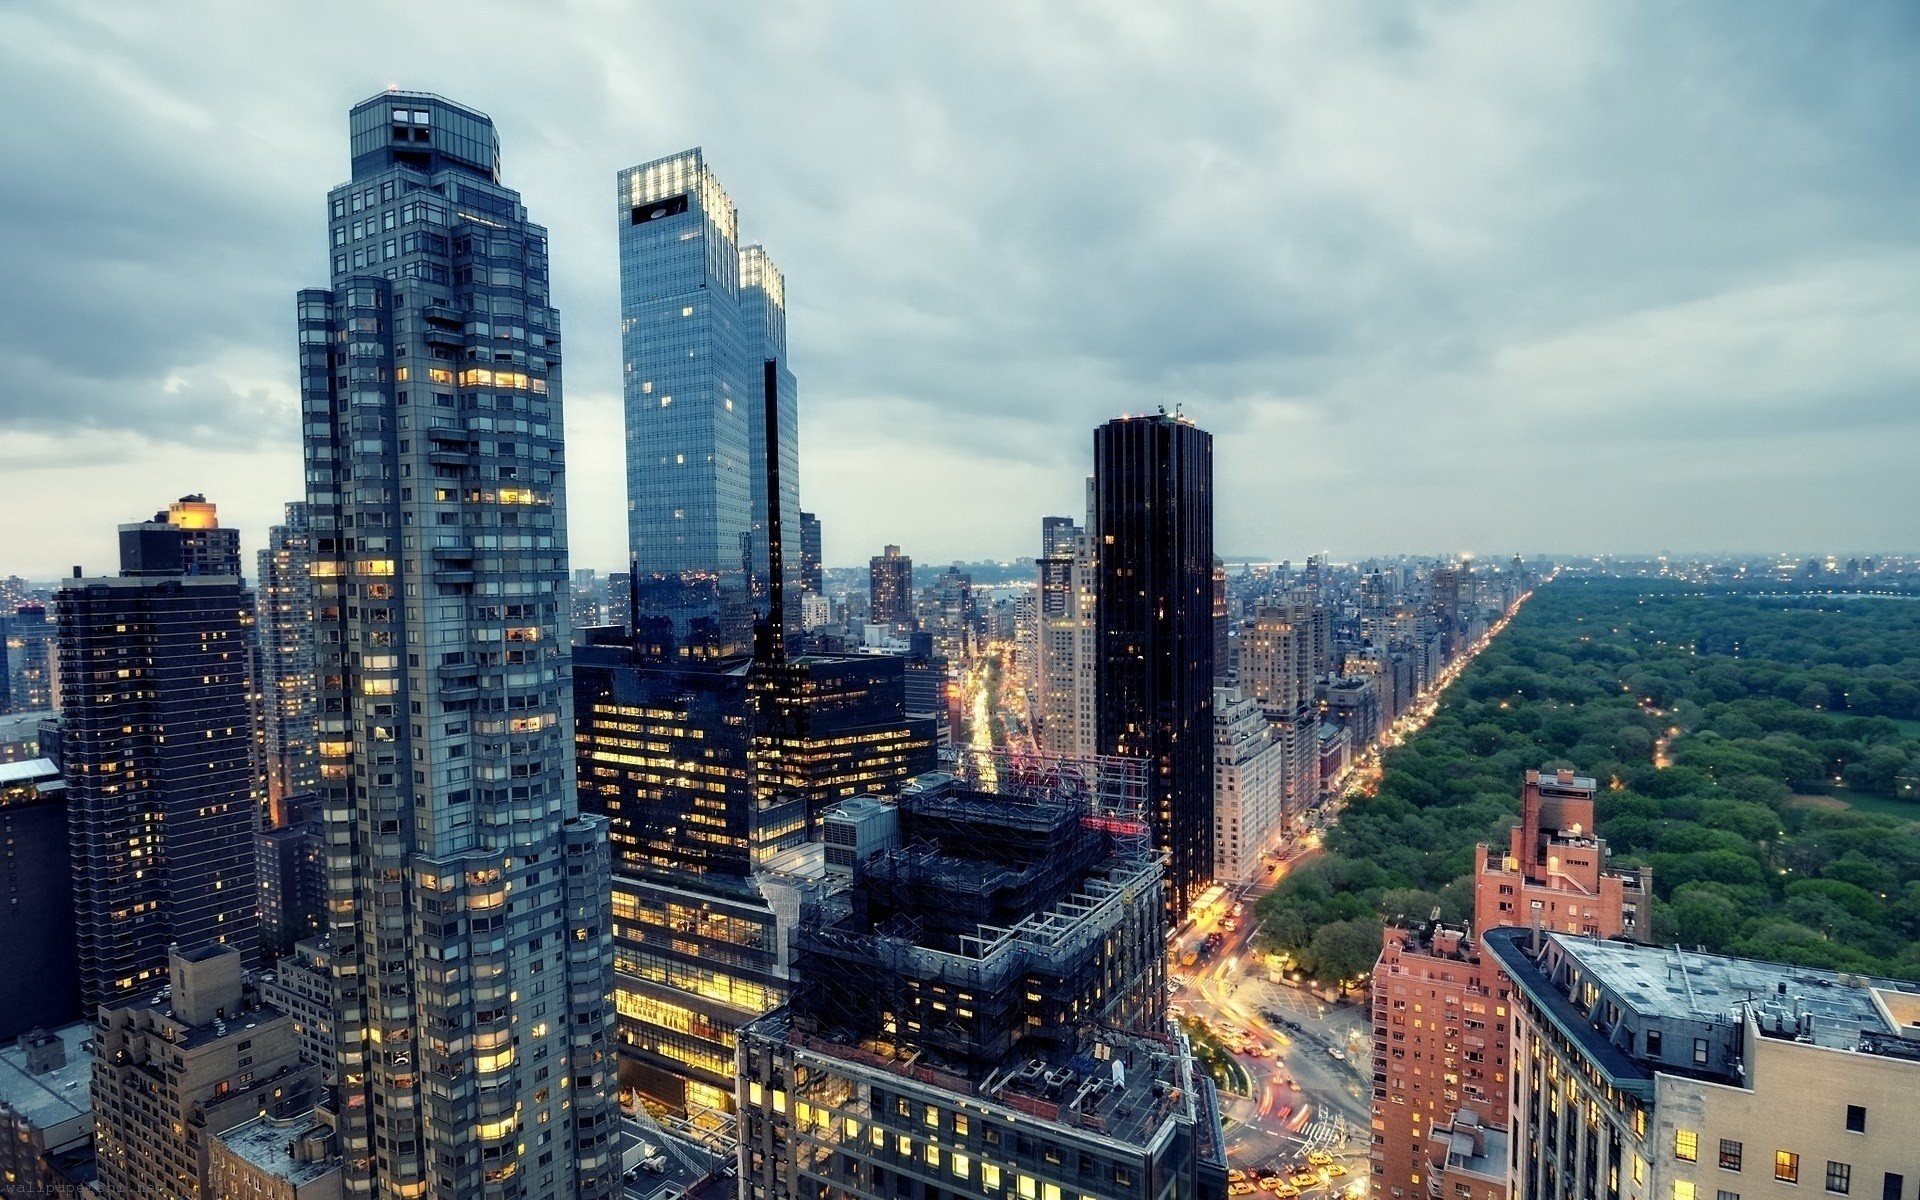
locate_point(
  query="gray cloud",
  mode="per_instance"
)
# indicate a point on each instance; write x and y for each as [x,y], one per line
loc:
[1410,263]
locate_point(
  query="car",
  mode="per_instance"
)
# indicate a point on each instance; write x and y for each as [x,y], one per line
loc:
[1272,1183]
[1286,1190]
[1229,924]
[1305,1179]
[1336,1169]
[1236,1175]
[1240,1189]
[1337,1052]
[1319,1158]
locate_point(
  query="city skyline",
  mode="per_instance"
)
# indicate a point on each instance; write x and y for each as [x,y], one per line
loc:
[1494,241]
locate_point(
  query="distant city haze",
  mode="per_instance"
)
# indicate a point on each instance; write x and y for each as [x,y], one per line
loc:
[1481,277]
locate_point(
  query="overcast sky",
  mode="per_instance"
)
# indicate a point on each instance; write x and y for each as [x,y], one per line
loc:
[1480,277]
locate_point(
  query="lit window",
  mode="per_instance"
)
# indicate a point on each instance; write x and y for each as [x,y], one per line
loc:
[1682,1189]
[1786,1166]
[1686,1145]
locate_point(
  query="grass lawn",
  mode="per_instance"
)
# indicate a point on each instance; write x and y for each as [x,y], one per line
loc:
[1885,806]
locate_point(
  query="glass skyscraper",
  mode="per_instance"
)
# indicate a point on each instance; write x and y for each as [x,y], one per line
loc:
[468,905]
[1153,518]
[704,336]
[286,659]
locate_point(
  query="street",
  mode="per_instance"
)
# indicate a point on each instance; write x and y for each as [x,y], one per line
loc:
[1288,1092]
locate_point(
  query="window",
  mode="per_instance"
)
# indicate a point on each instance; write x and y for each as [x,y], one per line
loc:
[1700,1051]
[1856,1119]
[1730,1154]
[1839,1177]
[1786,1166]
[1891,1185]
[1653,1043]
[1686,1145]
[1725,1195]
[1683,1189]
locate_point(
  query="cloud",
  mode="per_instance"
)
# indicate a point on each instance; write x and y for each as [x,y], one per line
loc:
[1408,262]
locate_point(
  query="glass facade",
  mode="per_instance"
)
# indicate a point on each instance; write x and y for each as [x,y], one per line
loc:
[468,905]
[1153,481]
[286,660]
[703,334]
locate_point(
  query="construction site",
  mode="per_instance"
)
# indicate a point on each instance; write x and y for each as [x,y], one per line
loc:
[994,918]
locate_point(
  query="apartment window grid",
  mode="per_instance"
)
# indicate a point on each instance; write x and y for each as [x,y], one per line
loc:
[1730,1154]
[1839,1177]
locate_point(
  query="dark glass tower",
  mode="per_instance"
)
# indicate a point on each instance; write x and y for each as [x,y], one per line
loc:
[468,901]
[158,751]
[704,333]
[1153,481]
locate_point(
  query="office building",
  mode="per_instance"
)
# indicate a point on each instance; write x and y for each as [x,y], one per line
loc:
[1658,1073]
[1442,1027]
[1057,535]
[618,610]
[1249,779]
[41,987]
[176,1067]
[890,588]
[703,334]
[159,753]
[46,1112]
[812,577]
[287,680]
[6,667]
[1154,524]
[712,776]
[981,1012]
[436,501]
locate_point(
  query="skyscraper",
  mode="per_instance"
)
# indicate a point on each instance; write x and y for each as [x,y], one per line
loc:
[30,658]
[1153,477]
[890,588]
[811,578]
[430,379]
[286,658]
[184,540]
[159,756]
[703,332]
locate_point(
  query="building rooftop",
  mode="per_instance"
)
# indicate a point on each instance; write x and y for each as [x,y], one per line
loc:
[1670,982]
[179,1033]
[29,770]
[58,1095]
[270,1146]
[1115,1084]
[1472,1147]
[1628,990]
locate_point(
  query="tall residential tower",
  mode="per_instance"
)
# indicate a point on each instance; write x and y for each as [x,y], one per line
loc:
[468,900]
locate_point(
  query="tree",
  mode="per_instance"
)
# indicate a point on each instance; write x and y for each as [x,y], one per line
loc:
[1342,951]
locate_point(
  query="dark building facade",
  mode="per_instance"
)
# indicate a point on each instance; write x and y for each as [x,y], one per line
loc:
[890,588]
[981,1013]
[41,987]
[1153,483]
[811,579]
[159,754]
[291,861]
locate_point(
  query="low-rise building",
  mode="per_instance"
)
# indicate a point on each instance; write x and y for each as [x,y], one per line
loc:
[270,1159]
[174,1069]
[46,1111]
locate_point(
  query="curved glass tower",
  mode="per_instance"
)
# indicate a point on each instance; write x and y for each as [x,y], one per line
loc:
[468,903]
